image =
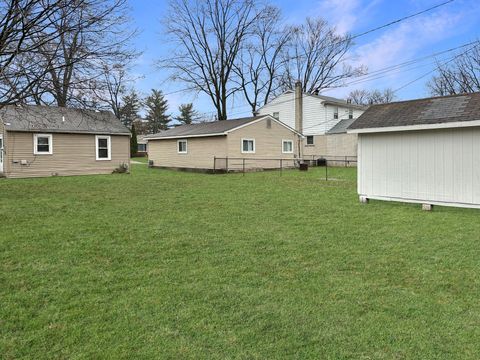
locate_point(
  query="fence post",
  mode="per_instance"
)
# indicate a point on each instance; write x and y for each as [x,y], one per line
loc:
[281,166]
[346,161]
[326,170]
[226,164]
[214,164]
[243,163]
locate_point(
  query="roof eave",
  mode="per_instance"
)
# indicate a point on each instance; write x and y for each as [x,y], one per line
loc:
[444,125]
[58,131]
[184,136]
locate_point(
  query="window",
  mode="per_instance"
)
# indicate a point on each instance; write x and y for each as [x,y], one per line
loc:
[42,144]
[276,115]
[350,113]
[182,146]
[103,147]
[310,140]
[248,146]
[335,112]
[287,146]
[142,147]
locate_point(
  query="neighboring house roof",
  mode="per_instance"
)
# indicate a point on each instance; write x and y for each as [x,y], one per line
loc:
[215,128]
[326,99]
[141,139]
[37,118]
[341,127]
[429,112]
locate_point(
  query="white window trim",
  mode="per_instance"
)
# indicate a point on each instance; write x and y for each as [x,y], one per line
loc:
[109,144]
[247,152]
[186,146]
[35,144]
[306,140]
[283,148]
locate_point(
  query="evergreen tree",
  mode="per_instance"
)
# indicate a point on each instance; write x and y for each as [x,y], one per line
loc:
[187,114]
[130,107]
[157,116]
[133,142]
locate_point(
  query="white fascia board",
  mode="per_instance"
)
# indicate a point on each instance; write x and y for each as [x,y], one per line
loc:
[449,125]
[185,136]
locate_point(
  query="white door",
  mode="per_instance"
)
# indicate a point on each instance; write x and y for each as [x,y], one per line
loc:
[1,153]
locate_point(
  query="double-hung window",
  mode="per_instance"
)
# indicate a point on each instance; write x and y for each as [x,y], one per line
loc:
[182,146]
[248,146]
[310,140]
[335,112]
[287,146]
[103,147]
[42,144]
[350,113]
[276,115]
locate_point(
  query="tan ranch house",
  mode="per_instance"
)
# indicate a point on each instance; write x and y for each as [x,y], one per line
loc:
[231,145]
[39,141]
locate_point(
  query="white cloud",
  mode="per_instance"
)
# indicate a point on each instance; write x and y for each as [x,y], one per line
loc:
[403,42]
[345,15]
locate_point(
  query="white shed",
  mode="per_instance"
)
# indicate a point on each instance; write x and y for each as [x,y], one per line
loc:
[421,151]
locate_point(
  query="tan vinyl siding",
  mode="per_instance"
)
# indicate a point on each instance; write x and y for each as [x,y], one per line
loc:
[332,145]
[200,152]
[268,144]
[73,154]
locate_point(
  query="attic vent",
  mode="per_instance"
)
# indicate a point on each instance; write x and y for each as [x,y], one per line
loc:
[269,123]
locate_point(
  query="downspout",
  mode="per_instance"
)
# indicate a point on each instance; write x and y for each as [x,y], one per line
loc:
[299,116]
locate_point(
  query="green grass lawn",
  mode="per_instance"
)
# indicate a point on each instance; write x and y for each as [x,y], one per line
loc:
[163,264]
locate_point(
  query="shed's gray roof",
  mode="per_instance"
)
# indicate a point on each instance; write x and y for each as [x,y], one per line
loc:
[341,127]
[437,110]
[35,118]
[212,128]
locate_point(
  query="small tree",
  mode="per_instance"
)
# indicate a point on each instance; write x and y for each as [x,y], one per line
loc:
[157,116]
[187,114]
[130,108]
[133,142]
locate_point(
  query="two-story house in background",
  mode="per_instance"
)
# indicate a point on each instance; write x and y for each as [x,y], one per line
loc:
[323,121]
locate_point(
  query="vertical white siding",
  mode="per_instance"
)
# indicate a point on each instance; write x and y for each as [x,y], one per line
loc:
[435,165]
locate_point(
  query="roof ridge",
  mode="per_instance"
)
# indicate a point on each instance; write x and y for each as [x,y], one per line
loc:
[428,98]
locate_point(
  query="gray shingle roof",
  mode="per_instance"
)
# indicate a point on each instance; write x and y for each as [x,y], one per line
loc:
[341,127]
[33,118]
[438,110]
[212,128]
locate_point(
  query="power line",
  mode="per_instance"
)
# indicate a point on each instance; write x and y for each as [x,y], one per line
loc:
[432,71]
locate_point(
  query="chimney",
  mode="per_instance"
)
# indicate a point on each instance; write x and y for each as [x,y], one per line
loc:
[298,107]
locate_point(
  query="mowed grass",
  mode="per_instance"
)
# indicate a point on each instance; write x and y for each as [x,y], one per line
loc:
[163,264]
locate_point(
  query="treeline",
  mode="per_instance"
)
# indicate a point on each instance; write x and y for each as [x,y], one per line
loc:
[156,113]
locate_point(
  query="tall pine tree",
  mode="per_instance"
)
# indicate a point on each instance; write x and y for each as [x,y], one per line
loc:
[130,107]
[187,114]
[157,116]
[133,142]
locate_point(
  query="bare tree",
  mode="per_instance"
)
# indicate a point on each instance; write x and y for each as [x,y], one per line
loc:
[208,35]
[259,65]
[25,28]
[366,97]
[317,57]
[95,39]
[462,75]
[113,87]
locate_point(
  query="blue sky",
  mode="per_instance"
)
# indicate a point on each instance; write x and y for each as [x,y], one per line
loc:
[446,27]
